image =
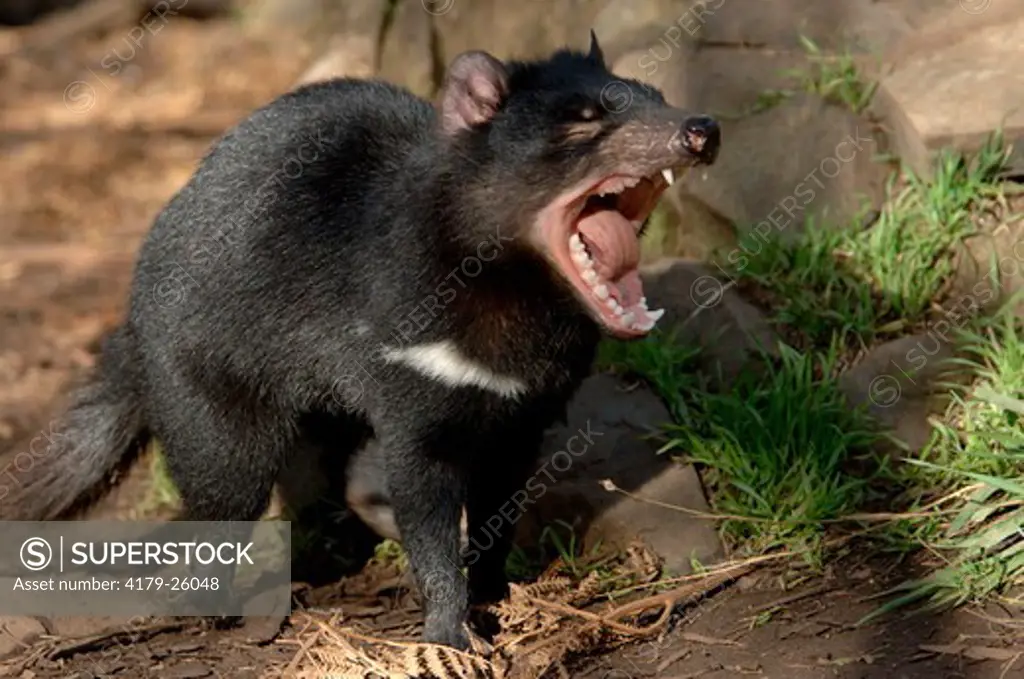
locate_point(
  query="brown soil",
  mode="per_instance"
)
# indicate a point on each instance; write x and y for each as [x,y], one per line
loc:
[78,187]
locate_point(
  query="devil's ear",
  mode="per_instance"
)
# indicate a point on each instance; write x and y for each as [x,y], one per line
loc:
[475,87]
[596,55]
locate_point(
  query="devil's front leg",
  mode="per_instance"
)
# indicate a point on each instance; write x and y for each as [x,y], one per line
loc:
[498,496]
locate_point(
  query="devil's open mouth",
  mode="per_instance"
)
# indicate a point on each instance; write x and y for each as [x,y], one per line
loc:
[592,235]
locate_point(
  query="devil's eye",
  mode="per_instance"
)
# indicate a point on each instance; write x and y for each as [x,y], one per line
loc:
[580,109]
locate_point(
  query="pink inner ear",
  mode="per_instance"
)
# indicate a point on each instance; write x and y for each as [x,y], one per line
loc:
[474,92]
[472,112]
[470,103]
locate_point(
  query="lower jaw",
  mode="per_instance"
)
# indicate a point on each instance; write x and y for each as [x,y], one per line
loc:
[630,322]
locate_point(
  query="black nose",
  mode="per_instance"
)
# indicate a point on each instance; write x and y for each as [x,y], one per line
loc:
[702,137]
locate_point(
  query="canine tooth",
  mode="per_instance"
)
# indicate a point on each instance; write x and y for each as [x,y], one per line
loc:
[643,303]
[655,315]
[627,319]
[590,276]
[619,311]
[576,243]
[669,177]
[601,290]
[644,326]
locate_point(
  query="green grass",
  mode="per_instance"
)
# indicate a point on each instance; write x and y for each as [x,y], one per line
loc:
[557,543]
[162,493]
[834,78]
[908,253]
[657,238]
[389,552]
[811,284]
[777,448]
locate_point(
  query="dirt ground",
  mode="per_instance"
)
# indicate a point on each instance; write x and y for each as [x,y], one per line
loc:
[88,159]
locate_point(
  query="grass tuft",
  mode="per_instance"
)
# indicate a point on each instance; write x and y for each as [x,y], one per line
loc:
[974,471]
[776,451]
[834,78]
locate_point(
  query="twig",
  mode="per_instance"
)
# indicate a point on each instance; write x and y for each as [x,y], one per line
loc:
[303,651]
[885,517]
[98,642]
[793,598]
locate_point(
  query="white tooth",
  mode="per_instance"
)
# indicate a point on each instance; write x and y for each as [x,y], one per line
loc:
[655,315]
[576,243]
[581,258]
[627,319]
[590,276]
[669,177]
[643,302]
[601,290]
[644,326]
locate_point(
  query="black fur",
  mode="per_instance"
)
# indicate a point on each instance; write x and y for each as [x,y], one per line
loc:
[340,218]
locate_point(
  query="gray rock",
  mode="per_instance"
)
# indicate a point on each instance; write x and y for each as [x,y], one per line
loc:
[836,25]
[73,626]
[605,438]
[704,309]
[724,82]
[990,266]
[955,83]
[17,633]
[898,382]
[798,160]
[624,25]
[366,492]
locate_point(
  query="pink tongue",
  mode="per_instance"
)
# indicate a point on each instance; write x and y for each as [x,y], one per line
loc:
[631,289]
[612,243]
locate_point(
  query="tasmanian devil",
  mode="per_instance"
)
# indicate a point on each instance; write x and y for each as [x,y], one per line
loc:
[352,259]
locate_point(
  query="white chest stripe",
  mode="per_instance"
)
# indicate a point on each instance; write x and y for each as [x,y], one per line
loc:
[444,362]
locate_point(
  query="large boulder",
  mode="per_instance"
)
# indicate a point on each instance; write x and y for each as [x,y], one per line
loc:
[511,29]
[955,83]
